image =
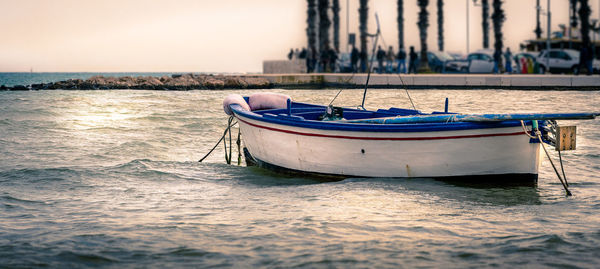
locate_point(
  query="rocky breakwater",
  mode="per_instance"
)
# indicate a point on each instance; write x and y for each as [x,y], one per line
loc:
[167,83]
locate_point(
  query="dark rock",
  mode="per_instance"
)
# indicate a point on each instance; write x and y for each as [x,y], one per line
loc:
[37,87]
[214,83]
[3,88]
[53,86]
[19,88]
[86,86]
[164,79]
[234,83]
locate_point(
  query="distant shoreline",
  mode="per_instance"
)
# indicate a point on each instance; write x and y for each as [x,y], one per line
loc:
[192,81]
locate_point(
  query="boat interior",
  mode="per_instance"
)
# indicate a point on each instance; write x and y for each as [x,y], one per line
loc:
[303,111]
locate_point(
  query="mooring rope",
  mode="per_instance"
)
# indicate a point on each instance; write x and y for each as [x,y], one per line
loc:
[559,151]
[555,125]
[538,135]
[229,125]
[239,143]
[527,132]
[553,166]
[230,146]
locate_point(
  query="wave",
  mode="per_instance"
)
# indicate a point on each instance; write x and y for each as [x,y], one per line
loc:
[130,146]
[85,258]
[37,175]
[6,122]
[145,169]
[8,198]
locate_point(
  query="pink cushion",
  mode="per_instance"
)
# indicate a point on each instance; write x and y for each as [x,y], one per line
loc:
[234,99]
[268,100]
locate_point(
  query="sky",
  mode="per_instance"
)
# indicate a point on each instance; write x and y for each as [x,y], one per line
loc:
[219,36]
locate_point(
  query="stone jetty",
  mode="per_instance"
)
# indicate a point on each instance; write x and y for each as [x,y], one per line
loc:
[184,82]
[177,82]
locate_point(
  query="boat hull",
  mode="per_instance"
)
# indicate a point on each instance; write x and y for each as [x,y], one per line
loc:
[470,153]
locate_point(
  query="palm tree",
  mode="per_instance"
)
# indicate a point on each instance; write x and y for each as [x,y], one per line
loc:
[485,23]
[336,24]
[584,17]
[538,29]
[324,24]
[572,20]
[363,12]
[440,14]
[310,33]
[423,24]
[400,24]
[497,19]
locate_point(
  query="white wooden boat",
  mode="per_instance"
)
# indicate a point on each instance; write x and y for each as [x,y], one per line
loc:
[303,138]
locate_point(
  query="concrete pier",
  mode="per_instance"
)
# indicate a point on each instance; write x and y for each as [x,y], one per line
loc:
[434,81]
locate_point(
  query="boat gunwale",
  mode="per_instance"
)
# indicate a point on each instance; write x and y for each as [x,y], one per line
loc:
[292,121]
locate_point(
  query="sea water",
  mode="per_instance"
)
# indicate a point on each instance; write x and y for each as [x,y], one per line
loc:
[112,179]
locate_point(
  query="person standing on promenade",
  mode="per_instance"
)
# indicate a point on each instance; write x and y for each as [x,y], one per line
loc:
[497,61]
[589,61]
[363,64]
[390,60]
[311,60]
[413,58]
[332,59]
[401,61]
[324,64]
[290,54]
[508,61]
[523,65]
[380,57]
[354,56]
[583,55]
[530,66]
[303,53]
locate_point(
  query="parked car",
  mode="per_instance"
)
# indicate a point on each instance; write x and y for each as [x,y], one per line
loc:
[457,66]
[559,61]
[596,66]
[457,55]
[344,63]
[481,61]
[438,59]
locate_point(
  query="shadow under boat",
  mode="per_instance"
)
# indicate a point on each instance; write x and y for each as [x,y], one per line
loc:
[500,190]
[479,181]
